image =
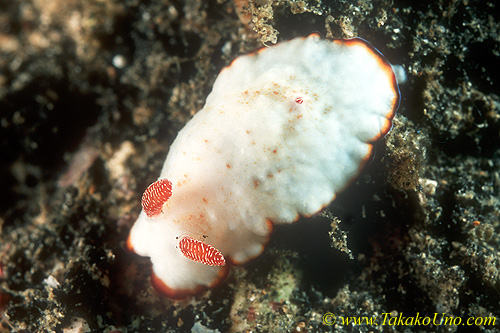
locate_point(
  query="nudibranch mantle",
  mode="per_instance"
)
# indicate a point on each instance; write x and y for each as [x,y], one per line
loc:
[282,132]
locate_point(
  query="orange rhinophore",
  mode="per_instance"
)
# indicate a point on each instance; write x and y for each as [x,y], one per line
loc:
[155,196]
[201,252]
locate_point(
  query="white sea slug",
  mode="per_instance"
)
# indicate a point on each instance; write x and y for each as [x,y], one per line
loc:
[282,132]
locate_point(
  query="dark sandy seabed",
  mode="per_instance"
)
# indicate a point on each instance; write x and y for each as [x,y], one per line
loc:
[92,93]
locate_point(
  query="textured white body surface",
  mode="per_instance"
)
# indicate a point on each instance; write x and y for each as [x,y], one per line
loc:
[282,132]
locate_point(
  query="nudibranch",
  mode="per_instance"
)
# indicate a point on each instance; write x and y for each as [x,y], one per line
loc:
[282,132]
